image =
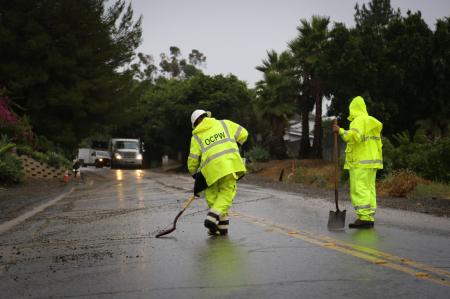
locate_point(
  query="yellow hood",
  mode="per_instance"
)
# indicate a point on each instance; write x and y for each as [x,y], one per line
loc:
[357,108]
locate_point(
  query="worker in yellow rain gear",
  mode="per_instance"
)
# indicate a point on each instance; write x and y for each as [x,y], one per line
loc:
[216,164]
[363,156]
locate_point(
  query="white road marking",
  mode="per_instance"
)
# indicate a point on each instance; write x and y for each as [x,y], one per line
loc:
[11,223]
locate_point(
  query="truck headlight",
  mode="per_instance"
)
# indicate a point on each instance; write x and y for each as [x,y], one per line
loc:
[139,156]
[101,160]
[118,156]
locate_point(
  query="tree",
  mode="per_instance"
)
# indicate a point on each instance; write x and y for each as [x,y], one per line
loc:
[309,48]
[197,58]
[376,15]
[161,117]
[346,75]
[306,103]
[174,66]
[276,96]
[441,74]
[406,79]
[388,59]
[65,63]
[145,69]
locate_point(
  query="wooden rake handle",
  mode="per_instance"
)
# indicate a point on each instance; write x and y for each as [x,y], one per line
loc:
[174,226]
[188,202]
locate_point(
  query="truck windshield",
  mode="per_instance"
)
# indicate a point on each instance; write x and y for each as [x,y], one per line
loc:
[127,145]
[102,153]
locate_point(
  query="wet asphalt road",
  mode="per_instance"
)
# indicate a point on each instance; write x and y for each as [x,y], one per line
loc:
[98,242]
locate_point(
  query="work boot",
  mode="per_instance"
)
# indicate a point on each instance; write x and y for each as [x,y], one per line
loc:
[212,223]
[361,224]
[223,225]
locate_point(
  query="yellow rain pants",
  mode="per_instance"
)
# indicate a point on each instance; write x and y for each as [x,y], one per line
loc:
[220,195]
[363,192]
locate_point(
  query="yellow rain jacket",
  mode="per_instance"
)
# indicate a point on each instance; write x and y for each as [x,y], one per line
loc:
[214,149]
[363,138]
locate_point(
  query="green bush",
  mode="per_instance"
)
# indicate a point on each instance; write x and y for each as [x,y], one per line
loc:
[7,147]
[429,159]
[10,169]
[5,144]
[433,160]
[19,132]
[57,160]
[22,150]
[40,157]
[52,159]
[258,154]
[45,145]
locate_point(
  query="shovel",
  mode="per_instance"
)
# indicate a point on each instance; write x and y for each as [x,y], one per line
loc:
[336,220]
[174,226]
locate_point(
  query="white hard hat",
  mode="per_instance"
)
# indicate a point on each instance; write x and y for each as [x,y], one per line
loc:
[197,113]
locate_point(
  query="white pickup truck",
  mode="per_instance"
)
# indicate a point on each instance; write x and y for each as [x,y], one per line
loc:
[93,157]
[126,152]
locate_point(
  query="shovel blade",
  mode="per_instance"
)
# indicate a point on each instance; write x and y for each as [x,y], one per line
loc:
[336,220]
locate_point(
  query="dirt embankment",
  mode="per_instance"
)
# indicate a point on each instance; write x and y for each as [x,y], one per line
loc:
[282,175]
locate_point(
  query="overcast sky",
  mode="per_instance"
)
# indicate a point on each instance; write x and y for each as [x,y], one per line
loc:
[235,34]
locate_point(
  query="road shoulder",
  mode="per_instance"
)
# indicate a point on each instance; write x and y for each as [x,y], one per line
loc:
[433,206]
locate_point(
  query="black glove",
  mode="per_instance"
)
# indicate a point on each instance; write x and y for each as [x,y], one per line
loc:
[200,183]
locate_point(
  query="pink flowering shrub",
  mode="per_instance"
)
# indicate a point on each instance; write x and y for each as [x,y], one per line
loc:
[6,115]
[18,129]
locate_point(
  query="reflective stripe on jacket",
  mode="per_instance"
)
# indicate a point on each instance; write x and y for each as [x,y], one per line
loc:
[364,146]
[214,149]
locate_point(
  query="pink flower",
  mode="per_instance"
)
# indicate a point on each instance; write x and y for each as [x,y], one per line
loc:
[6,115]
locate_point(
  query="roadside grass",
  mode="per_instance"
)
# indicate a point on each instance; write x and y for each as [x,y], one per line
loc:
[320,174]
[314,172]
[432,190]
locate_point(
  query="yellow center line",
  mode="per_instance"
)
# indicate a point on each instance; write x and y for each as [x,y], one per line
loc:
[413,268]
[394,258]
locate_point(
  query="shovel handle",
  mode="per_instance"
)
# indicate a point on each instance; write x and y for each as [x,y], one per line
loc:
[336,166]
[188,202]
[174,225]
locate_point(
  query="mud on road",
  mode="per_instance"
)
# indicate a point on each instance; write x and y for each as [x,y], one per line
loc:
[17,198]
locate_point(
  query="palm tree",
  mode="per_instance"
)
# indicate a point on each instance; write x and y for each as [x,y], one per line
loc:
[276,96]
[306,103]
[308,49]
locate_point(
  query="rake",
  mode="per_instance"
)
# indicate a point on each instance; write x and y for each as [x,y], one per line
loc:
[174,225]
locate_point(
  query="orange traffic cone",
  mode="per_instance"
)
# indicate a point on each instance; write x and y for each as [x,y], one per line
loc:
[66,177]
